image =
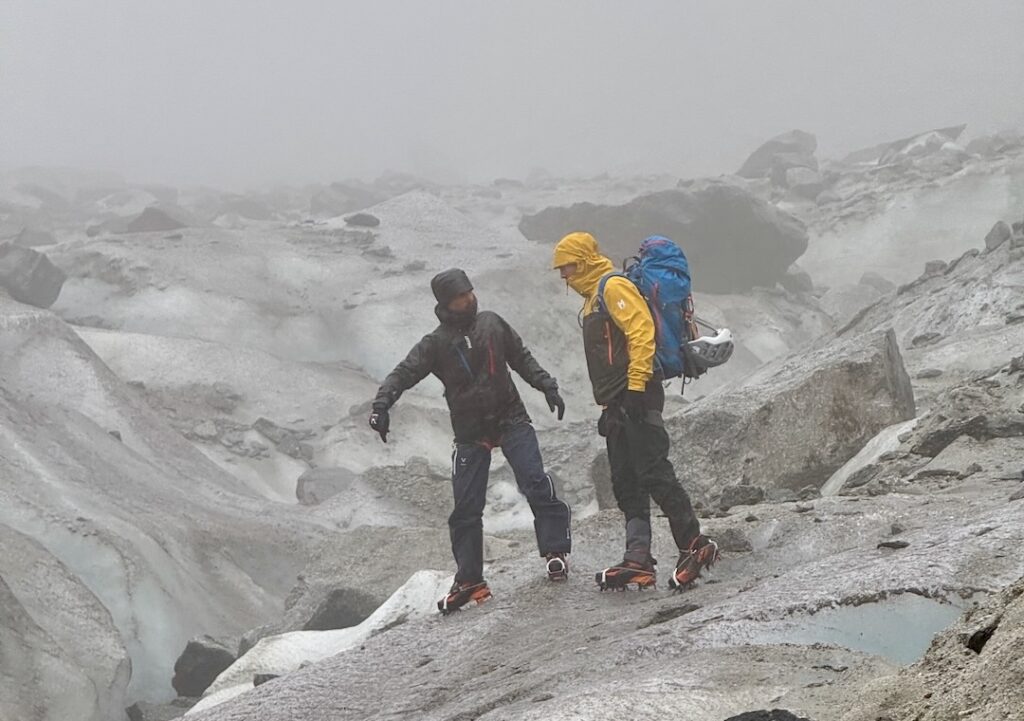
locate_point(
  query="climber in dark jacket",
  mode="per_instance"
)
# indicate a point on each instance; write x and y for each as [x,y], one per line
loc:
[471,354]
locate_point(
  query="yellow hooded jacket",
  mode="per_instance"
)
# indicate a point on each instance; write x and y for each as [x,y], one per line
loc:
[625,306]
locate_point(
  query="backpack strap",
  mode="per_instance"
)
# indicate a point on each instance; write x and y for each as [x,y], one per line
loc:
[599,304]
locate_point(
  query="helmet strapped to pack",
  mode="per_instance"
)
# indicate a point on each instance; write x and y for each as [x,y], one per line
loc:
[662,275]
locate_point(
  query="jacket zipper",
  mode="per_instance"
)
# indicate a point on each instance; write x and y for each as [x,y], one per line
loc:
[490,355]
[608,337]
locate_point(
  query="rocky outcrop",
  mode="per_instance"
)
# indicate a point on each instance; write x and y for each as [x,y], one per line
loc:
[29,276]
[203,659]
[796,421]
[794,149]
[733,240]
[362,220]
[154,219]
[921,144]
[989,406]
[318,484]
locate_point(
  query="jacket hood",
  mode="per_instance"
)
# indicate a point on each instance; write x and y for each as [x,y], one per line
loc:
[591,266]
[449,283]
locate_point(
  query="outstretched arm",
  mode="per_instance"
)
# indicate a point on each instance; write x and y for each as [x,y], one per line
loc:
[416,366]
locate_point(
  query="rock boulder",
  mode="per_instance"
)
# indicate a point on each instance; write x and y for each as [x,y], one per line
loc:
[29,276]
[733,240]
[796,421]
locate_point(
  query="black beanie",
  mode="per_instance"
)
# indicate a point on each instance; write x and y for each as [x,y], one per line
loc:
[449,283]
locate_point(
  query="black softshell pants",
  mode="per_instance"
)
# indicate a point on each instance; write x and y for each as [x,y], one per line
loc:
[641,470]
[471,463]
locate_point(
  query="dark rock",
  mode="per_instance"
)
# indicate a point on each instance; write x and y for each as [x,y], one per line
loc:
[203,659]
[153,219]
[773,715]
[896,529]
[893,455]
[928,373]
[318,484]
[115,434]
[863,476]
[781,495]
[878,282]
[664,615]
[291,446]
[939,433]
[261,678]
[732,540]
[1017,495]
[999,234]
[362,220]
[251,637]
[895,545]
[733,240]
[971,470]
[936,473]
[790,150]
[342,608]
[144,711]
[740,495]
[934,268]
[925,339]
[29,276]
[969,253]
[808,493]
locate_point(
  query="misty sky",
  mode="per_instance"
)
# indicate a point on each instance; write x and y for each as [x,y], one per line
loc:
[245,92]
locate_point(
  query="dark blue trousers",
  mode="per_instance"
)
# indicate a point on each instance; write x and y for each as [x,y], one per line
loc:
[471,464]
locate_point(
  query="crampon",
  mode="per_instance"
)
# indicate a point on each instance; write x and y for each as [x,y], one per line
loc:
[461,594]
[702,553]
[625,575]
[557,567]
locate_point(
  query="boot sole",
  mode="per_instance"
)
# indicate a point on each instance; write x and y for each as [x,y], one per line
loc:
[611,583]
[475,599]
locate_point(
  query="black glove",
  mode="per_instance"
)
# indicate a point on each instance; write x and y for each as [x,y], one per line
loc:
[602,423]
[555,401]
[380,421]
[633,406]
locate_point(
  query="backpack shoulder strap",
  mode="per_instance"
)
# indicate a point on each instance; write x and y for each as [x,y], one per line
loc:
[600,304]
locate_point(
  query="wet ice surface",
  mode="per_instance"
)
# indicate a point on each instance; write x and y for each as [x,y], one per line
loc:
[898,628]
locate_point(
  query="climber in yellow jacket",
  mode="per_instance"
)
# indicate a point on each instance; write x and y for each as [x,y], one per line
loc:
[619,343]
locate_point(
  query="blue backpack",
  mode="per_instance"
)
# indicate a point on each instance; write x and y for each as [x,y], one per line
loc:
[662,276]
